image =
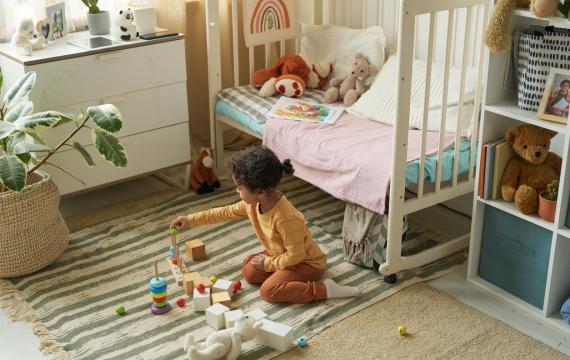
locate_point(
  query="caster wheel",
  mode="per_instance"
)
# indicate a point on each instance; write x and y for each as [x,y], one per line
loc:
[391,279]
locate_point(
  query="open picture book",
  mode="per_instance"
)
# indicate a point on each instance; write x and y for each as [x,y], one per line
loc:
[302,110]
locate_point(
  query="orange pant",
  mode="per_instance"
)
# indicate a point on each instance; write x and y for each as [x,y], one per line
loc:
[298,284]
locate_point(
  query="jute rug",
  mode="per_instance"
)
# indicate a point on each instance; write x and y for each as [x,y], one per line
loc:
[71,304]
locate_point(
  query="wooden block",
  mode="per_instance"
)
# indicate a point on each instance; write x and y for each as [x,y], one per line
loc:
[275,335]
[195,249]
[222,285]
[201,301]
[203,280]
[215,316]
[188,280]
[231,316]
[257,314]
[177,271]
[222,298]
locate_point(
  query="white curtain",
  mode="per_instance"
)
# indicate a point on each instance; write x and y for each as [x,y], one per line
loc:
[11,11]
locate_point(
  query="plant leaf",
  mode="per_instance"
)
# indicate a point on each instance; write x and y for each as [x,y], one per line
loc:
[35,135]
[12,173]
[106,116]
[22,108]
[86,156]
[66,171]
[6,129]
[25,158]
[1,80]
[109,147]
[16,137]
[20,89]
[23,148]
[66,118]
[45,118]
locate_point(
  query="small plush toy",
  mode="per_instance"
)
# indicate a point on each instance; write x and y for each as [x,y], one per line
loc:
[532,168]
[23,36]
[349,88]
[125,22]
[202,177]
[290,75]
[497,35]
[222,344]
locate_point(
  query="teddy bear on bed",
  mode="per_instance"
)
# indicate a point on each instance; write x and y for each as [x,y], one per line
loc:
[497,35]
[532,168]
[290,76]
[202,177]
[349,88]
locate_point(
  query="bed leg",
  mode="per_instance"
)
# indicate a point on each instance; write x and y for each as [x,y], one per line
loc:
[391,279]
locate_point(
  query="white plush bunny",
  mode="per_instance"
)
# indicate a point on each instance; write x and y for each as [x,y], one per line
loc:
[223,344]
[23,35]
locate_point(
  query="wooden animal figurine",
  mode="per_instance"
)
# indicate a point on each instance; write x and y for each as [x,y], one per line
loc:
[202,177]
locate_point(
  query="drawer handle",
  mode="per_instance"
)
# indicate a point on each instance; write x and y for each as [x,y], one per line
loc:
[113,100]
[110,56]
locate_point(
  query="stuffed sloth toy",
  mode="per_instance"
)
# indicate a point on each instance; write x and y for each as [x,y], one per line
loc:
[223,344]
[290,76]
[497,35]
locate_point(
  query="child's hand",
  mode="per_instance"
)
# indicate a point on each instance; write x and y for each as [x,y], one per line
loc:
[258,262]
[180,222]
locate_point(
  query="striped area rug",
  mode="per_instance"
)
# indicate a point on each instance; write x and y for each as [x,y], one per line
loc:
[71,304]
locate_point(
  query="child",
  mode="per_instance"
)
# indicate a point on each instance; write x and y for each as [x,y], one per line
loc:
[291,267]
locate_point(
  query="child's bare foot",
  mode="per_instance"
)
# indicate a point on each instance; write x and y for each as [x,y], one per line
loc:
[335,290]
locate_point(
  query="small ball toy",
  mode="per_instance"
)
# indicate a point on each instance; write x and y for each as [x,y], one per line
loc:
[174,261]
[120,310]
[402,330]
[181,302]
[174,231]
[213,279]
[302,342]
[201,288]
[236,286]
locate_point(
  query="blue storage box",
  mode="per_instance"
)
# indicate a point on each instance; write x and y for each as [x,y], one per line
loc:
[514,255]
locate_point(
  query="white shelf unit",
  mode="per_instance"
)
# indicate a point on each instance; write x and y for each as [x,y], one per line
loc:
[500,112]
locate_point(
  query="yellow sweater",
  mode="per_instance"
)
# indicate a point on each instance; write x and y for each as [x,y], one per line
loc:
[282,231]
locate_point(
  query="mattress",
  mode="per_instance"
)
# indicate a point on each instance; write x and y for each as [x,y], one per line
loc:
[244,106]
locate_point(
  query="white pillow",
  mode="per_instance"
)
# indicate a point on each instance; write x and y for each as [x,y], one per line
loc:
[379,102]
[338,45]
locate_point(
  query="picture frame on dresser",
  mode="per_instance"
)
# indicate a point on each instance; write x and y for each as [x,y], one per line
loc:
[55,15]
[555,103]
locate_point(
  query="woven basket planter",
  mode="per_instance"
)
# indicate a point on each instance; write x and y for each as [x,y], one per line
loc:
[32,231]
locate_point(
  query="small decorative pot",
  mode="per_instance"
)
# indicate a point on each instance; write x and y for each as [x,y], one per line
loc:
[546,208]
[100,23]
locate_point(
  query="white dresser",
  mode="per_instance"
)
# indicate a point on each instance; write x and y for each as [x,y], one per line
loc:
[146,80]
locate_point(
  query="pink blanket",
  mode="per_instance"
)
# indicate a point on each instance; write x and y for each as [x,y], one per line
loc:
[351,160]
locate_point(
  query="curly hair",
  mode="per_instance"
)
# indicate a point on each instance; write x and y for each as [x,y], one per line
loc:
[258,168]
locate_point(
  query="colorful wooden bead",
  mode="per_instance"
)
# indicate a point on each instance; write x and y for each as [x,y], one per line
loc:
[181,302]
[201,288]
[120,310]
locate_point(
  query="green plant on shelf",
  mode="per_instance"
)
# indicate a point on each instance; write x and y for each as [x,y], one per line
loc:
[92,5]
[552,191]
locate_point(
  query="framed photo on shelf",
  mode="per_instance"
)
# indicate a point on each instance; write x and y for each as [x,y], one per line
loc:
[56,17]
[555,103]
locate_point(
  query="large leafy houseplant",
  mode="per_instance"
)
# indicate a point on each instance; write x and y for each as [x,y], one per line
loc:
[22,148]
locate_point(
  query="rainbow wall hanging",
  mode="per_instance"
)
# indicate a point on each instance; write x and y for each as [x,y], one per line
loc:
[269,20]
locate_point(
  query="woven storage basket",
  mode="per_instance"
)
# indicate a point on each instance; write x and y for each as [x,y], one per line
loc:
[32,231]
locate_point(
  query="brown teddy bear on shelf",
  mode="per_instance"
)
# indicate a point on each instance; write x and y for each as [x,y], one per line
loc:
[532,167]
[202,177]
[349,88]
[497,35]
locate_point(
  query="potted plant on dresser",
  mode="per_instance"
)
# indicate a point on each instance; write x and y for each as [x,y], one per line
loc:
[99,21]
[32,231]
[547,202]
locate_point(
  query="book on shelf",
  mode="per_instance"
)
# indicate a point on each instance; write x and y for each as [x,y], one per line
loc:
[481,189]
[503,153]
[488,169]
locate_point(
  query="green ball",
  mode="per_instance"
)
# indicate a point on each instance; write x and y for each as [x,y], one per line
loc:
[120,310]
[174,231]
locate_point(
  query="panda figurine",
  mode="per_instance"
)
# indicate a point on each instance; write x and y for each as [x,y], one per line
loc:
[126,26]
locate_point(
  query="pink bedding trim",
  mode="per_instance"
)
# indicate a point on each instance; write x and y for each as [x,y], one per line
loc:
[351,160]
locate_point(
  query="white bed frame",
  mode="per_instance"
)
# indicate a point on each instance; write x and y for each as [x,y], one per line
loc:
[446,31]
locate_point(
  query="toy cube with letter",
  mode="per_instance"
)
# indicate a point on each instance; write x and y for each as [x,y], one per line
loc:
[195,249]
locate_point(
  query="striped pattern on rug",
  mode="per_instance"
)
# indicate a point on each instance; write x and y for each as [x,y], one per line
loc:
[109,264]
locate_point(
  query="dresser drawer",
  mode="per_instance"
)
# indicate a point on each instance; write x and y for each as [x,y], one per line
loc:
[76,80]
[146,152]
[141,110]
